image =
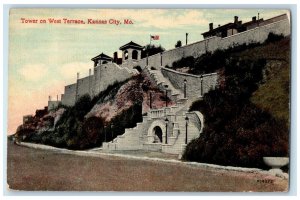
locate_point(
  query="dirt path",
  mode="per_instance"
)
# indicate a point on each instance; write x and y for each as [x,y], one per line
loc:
[33,169]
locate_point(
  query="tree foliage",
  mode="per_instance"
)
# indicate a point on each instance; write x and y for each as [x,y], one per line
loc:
[178,44]
[152,49]
[74,131]
[237,132]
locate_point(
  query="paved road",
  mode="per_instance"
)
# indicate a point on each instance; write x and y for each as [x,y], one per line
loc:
[33,169]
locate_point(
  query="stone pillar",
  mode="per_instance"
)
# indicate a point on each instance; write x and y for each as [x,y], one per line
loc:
[161,59]
[201,85]
[129,54]
[90,80]
[76,94]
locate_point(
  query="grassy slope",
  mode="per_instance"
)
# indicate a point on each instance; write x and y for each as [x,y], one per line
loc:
[273,94]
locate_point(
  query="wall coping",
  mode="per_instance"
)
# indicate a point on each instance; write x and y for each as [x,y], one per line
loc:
[186,74]
[71,85]
[213,37]
[204,40]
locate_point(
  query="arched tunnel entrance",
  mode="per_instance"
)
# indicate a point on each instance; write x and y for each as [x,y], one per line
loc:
[157,133]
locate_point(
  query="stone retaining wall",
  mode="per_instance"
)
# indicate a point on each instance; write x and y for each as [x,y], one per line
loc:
[196,85]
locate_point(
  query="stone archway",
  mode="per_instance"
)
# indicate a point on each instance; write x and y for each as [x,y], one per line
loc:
[135,54]
[126,55]
[157,132]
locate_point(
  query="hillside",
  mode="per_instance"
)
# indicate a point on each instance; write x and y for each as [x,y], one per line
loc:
[247,117]
[272,94]
[91,121]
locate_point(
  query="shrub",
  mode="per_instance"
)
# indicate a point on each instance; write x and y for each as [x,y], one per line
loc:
[178,44]
[152,49]
[210,62]
[74,131]
[184,62]
[237,132]
[127,119]
[138,68]
[273,37]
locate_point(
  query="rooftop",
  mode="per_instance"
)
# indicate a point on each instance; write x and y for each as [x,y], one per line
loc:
[102,56]
[131,45]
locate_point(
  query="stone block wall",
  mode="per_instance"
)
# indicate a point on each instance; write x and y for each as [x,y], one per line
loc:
[210,81]
[154,60]
[85,86]
[68,98]
[130,64]
[53,104]
[104,75]
[193,84]
[259,34]
[108,74]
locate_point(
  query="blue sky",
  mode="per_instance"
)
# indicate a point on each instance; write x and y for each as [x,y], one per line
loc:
[45,57]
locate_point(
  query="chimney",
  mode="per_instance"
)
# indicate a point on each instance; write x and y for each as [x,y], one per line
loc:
[115,57]
[211,26]
[236,19]
[186,38]
[254,19]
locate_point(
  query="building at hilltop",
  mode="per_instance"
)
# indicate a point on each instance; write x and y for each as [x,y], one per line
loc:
[237,26]
[168,129]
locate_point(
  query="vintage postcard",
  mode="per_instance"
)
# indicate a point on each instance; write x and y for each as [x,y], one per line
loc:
[185,100]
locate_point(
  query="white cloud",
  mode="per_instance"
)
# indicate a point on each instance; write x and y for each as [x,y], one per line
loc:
[33,72]
[69,70]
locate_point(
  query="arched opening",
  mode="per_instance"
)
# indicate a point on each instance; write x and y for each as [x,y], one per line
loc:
[125,54]
[134,54]
[157,133]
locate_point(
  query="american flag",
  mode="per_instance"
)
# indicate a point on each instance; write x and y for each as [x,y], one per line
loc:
[154,37]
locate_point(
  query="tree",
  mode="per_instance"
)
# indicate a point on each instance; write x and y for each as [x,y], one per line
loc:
[152,49]
[178,44]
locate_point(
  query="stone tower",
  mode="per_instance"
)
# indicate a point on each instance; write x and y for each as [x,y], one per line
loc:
[131,53]
[101,59]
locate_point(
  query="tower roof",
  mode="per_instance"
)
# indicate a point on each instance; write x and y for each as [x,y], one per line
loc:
[132,45]
[102,56]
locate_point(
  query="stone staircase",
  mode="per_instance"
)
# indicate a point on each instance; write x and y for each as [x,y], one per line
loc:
[130,140]
[137,138]
[164,84]
[176,141]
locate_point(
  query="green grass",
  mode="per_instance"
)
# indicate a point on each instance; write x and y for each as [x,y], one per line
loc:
[273,94]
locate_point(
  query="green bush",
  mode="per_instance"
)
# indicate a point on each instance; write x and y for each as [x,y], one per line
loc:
[237,132]
[184,62]
[152,49]
[273,37]
[127,119]
[138,68]
[74,131]
[210,62]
